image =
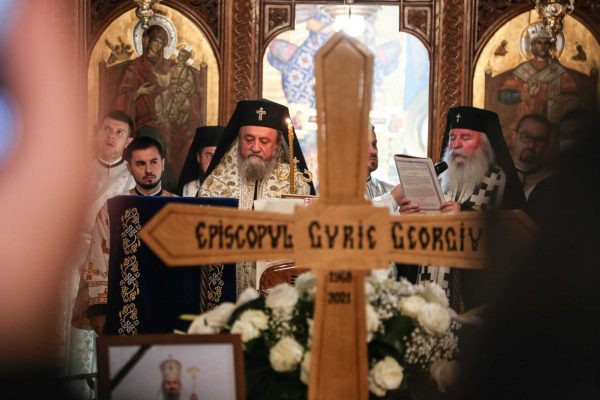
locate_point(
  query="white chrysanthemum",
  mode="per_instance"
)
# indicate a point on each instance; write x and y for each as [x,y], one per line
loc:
[387,374]
[286,355]
[434,318]
[305,368]
[246,296]
[212,321]
[444,373]
[306,285]
[433,293]
[281,300]
[372,322]
[411,306]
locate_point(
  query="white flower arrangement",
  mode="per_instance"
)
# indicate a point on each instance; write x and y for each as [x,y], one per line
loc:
[410,332]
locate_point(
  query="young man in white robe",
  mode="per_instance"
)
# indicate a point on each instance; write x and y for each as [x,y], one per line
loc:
[146,162]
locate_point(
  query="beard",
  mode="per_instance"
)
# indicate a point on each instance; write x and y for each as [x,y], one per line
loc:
[170,395]
[255,168]
[471,171]
[528,156]
[149,186]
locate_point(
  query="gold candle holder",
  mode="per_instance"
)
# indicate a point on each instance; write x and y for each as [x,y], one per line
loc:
[292,175]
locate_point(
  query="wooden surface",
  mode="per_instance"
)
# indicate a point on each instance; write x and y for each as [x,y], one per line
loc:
[186,235]
[339,368]
[342,237]
[274,275]
[344,77]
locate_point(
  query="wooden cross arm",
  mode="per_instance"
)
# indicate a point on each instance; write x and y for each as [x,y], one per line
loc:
[340,236]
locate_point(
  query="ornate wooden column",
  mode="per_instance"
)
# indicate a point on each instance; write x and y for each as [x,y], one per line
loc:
[239,73]
[449,62]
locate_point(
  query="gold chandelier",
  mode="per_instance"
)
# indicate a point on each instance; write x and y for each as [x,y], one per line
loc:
[145,11]
[553,12]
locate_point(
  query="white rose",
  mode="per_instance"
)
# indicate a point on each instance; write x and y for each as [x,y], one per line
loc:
[282,299]
[212,321]
[305,368]
[200,326]
[433,293]
[309,322]
[250,324]
[404,287]
[380,274]
[444,373]
[257,318]
[246,329]
[306,285]
[387,374]
[434,318]
[369,289]
[286,355]
[372,322]
[375,389]
[246,296]
[410,306]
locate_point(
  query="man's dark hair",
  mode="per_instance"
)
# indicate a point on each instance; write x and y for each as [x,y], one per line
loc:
[123,117]
[143,143]
[537,118]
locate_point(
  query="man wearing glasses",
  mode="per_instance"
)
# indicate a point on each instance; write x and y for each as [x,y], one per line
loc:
[531,140]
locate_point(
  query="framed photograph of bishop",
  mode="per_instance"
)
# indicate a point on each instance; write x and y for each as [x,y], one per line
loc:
[184,367]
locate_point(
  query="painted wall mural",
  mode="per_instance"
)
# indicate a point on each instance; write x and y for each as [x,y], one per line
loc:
[516,74]
[401,78]
[165,78]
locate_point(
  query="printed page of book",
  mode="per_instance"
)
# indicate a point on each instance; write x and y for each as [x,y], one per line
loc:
[419,182]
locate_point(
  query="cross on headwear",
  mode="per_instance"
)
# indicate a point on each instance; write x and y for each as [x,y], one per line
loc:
[457,118]
[260,113]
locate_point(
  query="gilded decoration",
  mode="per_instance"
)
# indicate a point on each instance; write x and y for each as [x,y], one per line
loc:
[215,285]
[130,221]
[130,273]
[509,66]
[418,18]
[128,317]
[278,17]
[130,287]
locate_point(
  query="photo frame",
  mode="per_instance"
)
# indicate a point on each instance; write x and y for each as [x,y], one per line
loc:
[146,366]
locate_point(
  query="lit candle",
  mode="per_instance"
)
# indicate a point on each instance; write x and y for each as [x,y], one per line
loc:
[292,175]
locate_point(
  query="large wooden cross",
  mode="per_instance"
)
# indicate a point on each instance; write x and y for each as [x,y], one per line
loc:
[341,236]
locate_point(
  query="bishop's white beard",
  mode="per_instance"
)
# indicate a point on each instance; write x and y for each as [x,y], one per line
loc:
[471,172]
[255,168]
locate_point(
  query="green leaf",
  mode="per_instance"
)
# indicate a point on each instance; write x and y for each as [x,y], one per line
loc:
[396,329]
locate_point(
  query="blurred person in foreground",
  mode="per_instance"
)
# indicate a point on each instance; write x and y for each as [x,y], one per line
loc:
[539,336]
[40,210]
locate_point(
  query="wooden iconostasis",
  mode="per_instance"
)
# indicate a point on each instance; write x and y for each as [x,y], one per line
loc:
[430,55]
